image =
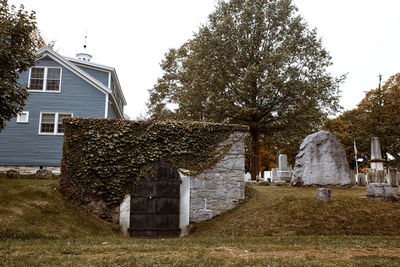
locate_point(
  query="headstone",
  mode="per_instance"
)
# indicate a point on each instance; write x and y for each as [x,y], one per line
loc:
[12,174]
[380,191]
[267,175]
[361,179]
[247,176]
[398,191]
[391,177]
[321,161]
[324,194]
[282,162]
[284,172]
[274,175]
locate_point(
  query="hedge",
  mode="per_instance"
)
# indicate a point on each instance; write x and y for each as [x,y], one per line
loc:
[103,158]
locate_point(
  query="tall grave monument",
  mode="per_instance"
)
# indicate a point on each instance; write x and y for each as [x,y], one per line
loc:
[377,172]
[284,172]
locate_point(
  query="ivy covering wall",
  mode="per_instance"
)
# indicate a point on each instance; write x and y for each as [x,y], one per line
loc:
[102,158]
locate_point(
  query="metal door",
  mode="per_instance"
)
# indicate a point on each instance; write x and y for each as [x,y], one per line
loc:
[155,203]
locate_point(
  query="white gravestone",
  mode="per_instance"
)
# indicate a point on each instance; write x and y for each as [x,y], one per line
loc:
[274,175]
[284,172]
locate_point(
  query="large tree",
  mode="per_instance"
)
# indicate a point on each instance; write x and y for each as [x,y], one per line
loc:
[17,53]
[255,63]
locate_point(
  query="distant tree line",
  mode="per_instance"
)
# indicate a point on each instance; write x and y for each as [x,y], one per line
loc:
[377,115]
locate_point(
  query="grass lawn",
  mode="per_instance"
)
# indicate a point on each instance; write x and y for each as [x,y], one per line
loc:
[276,226]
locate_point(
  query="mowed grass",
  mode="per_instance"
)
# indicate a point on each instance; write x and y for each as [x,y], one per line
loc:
[36,209]
[272,210]
[276,226]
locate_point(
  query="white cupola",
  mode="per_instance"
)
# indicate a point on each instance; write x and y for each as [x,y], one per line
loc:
[85,56]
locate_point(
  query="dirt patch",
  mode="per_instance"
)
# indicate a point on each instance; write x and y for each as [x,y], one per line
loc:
[305,254]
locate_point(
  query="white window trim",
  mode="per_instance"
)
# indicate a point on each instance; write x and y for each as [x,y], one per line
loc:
[19,117]
[106,107]
[55,122]
[45,80]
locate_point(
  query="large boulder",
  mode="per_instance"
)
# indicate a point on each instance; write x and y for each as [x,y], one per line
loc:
[321,161]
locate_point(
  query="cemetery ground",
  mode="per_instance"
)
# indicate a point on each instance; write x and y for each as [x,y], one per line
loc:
[276,226]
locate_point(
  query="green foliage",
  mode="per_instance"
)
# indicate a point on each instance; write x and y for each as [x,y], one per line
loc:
[254,63]
[102,158]
[17,54]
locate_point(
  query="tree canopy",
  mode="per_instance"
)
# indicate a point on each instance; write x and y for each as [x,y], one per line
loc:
[17,53]
[377,115]
[255,63]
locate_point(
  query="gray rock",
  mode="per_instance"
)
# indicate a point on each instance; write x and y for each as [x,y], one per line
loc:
[44,174]
[324,194]
[12,174]
[280,183]
[321,161]
[380,191]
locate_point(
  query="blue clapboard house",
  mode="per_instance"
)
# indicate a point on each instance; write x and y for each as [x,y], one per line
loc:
[59,87]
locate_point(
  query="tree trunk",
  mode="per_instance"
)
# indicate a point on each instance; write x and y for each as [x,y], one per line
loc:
[254,133]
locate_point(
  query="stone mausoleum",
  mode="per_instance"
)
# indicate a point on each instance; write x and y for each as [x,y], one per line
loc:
[97,169]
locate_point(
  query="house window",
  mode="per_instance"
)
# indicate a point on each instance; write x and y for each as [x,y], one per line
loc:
[46,79]
[52,123]
[23,117]
[36,81]
[53,79]
[61,117]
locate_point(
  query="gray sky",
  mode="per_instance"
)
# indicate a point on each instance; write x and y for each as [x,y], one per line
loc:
[362,37]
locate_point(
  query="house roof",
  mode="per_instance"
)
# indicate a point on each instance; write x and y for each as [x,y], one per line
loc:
[69,63]
[101,67]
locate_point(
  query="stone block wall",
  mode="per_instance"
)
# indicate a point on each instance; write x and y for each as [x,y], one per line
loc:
[220,188]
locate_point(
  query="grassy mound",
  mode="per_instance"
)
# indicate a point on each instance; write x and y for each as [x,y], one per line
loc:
[276,226]
[273,210]
[35,209]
